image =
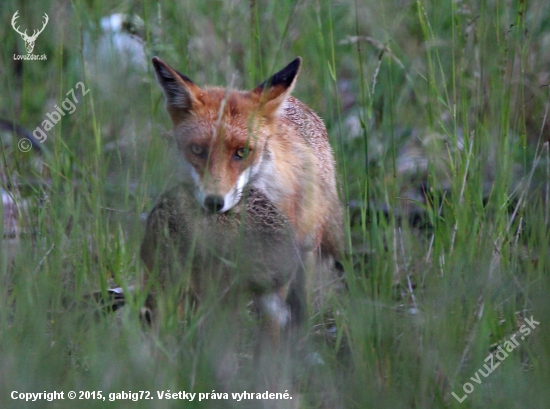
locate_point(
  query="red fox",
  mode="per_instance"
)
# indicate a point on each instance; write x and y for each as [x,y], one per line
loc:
[258,166]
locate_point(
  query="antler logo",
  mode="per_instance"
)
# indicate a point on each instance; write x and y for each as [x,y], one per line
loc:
[29,40]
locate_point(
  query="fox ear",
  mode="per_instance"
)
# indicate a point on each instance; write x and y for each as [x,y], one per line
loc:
[274,91]
[179,91]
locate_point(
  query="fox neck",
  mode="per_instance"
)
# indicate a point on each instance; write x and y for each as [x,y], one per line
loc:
[286,177]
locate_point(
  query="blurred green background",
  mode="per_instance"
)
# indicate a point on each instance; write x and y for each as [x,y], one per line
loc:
[438,115]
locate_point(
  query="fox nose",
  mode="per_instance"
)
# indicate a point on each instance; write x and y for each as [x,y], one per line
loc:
[214,203]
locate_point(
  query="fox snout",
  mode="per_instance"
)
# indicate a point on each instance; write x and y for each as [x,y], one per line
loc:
[214,203]
[214,199]
[219,190]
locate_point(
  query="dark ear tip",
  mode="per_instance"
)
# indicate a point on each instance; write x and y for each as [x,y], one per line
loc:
[295,64]
[284,78]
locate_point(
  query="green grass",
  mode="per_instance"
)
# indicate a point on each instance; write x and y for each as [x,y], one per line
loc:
[437,109]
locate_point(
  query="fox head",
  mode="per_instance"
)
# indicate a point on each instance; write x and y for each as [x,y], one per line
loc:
[222,133]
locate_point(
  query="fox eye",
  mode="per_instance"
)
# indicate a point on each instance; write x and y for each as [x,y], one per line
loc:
[242,153]
[197,150]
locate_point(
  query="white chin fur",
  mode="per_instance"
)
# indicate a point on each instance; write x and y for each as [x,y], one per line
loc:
[231,198]
[235,194]
[198,192]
